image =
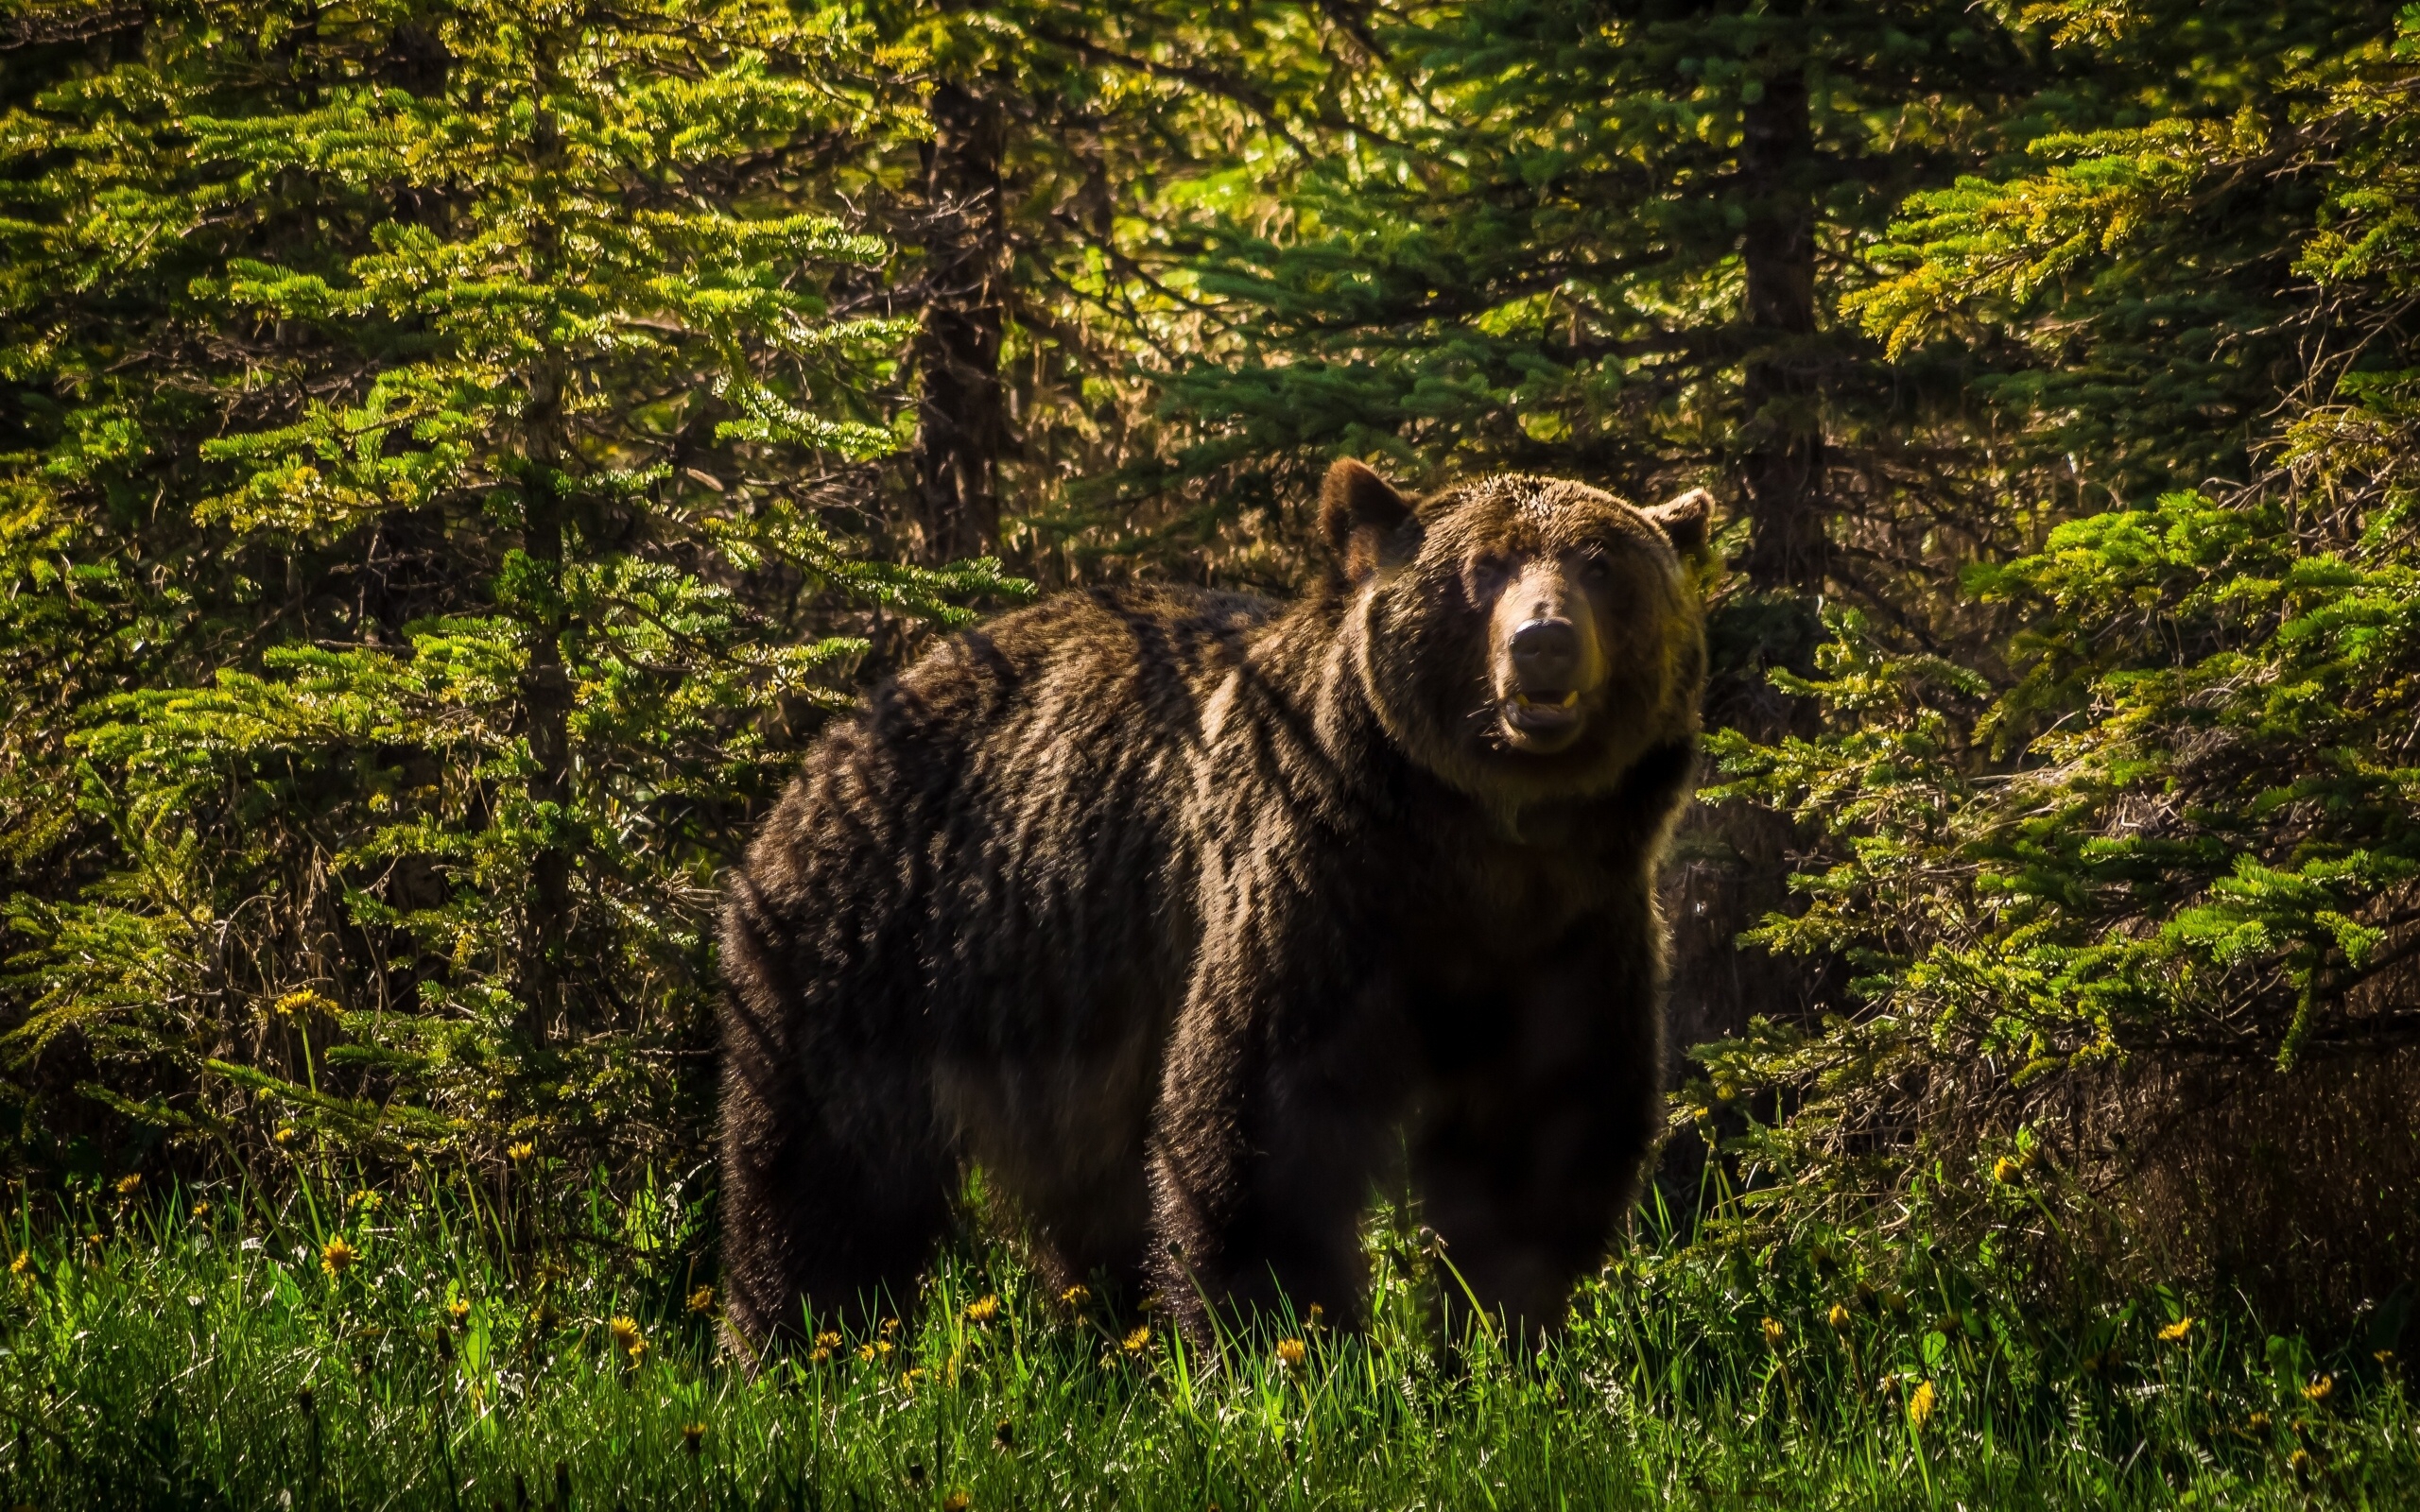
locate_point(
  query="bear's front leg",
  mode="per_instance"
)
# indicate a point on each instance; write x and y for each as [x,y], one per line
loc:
[1276,1110]
[1536,1129]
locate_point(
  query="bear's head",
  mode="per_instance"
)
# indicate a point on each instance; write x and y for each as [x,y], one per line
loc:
[1523,638]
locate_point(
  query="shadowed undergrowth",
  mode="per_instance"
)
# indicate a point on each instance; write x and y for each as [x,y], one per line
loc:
[448,1346]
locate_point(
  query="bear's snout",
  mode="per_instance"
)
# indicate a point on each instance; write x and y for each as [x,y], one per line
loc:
[1548,658]
[1545,655]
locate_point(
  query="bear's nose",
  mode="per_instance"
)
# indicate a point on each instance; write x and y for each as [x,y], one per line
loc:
[1545,653]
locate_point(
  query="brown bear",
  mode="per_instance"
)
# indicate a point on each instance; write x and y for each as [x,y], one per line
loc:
[1187,916]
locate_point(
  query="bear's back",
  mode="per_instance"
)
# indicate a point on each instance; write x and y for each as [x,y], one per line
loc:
[1061,830]
[997,825]
[1059,669]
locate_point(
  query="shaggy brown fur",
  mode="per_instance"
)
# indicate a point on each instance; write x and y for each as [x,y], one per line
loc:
[1182,914]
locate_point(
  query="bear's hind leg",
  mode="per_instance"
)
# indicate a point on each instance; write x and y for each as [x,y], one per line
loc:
[826,1224]
[835,1183]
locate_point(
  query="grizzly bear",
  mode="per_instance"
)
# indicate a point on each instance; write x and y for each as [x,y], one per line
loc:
[1188,917]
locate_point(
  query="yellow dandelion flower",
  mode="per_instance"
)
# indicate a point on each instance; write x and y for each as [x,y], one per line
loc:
[889,1326]
[200,1210]
[337,1255]
[693,1437]
[957,1501]
[1076,1296]
[1773,1333]
[865,1351]
[2175,1333]
[911,1380]
[702,1301]
[458,1312]
[2006,1170]
[1838,1316]
[626,1337]
[302,1000]
[1135,1342]
[983,1309]
[636,1354]
[286,1135]
[520,1151]
[1319,1316]
[97,1240]
[129,1184]
[24,1262]
[2299,1462]
[2259,1423]
[1920,1405]
[818,1355]
[2320,1388]
[2384,1357]
[1291,1353]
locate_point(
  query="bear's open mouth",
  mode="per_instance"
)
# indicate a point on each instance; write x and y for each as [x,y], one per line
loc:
[1543,713]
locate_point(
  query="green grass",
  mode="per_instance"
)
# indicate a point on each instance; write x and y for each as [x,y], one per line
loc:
[177,1360]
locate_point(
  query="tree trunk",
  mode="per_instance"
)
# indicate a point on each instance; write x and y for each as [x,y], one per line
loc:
[961,427]
[1783,471]
[1730,862]
[545,685]
[546,704]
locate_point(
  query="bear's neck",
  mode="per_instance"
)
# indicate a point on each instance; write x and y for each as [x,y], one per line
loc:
[1307,663]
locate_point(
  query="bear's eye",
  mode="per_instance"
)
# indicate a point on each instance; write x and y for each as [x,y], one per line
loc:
[1487,574]
[1597,568]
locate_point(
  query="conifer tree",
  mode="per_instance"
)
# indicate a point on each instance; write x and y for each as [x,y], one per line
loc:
[1613,240]
[2166,831]
[1043,232]
[553,389]
[1606,240]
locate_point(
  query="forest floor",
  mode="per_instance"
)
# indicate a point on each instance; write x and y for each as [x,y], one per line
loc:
[431,1349]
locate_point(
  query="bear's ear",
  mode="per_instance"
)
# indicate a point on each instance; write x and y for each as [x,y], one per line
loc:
[1685,520]
[1357,509]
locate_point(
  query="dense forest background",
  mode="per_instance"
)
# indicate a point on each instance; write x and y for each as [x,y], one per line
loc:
[454,455]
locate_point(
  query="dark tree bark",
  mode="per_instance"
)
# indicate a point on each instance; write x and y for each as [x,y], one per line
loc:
[1730,862]
[962,423]
[546,685]
[1783,470]
[546,705]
